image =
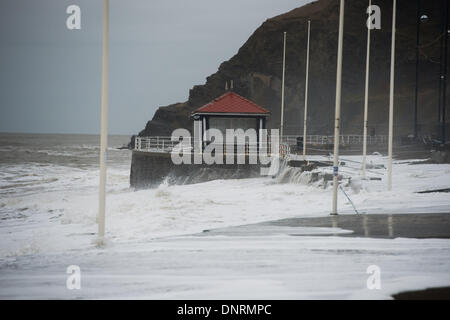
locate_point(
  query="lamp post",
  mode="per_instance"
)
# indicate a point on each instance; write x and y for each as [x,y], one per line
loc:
[338,110]
[282,88]
[391,96]
[306,92]
[443,73]
[420,19]
[104,125]
[366,99]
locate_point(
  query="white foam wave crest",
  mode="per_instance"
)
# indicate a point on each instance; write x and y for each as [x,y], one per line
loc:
[62,215]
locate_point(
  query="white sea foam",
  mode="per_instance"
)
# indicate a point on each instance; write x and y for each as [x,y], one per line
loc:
[51,195]
[71,200]
[50,208]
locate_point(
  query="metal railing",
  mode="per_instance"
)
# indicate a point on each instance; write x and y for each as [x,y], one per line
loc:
[155,144]
[165,143]
[344,139]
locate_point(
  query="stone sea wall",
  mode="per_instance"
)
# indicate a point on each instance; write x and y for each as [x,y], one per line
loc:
[150,169]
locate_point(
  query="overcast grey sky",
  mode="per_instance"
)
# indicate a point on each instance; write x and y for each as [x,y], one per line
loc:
[50,76]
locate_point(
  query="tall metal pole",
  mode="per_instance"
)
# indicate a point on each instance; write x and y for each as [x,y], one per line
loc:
[444,73]
[282,87]
[305,117]
[366,97]
[417,69]
[338,110]
[391,97]
[104,124]
[441,59]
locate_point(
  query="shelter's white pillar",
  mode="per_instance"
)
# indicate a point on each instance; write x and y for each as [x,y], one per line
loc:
[260,133]
[197,136]
[204,129]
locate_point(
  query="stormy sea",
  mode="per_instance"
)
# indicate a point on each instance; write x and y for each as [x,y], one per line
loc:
[42,163]
[156,245]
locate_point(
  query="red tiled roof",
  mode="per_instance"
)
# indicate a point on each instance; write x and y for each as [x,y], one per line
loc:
[231,102]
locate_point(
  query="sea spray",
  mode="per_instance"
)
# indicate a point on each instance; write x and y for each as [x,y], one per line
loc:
[297,175]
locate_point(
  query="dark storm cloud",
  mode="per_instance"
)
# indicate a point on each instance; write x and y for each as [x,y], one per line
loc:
[159,49]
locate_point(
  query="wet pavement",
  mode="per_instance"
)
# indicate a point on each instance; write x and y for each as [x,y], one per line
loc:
[424,225]
[441,293]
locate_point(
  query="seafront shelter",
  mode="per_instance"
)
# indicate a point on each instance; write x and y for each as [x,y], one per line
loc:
[229,111]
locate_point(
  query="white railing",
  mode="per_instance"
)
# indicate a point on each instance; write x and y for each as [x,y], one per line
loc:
[344,139]
[165,143]
[154,144]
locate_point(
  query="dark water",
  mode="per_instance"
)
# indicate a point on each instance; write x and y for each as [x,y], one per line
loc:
[59,149]
[48,162]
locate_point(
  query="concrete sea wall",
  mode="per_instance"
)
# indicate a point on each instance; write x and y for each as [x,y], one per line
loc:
[150,169]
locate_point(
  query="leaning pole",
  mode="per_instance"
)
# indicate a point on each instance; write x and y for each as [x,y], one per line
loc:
[282,88]
[104,125]
[391,98]
[305,117]
[366,97]
[338,110]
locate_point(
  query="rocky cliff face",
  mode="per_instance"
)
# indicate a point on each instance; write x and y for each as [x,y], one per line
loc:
[256,70]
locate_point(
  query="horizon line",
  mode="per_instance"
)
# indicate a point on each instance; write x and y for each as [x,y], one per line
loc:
[66,133]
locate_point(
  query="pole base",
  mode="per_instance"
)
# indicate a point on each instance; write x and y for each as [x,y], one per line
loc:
[100,242]
[333,214]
